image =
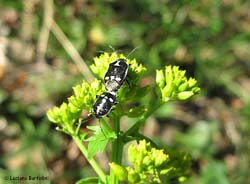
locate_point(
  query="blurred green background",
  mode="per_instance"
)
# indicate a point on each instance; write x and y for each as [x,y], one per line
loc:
[208,38]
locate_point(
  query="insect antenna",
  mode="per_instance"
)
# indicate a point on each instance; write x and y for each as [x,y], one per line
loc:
[114,50]
[133,51]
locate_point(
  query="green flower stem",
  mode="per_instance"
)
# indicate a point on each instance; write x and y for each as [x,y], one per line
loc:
[92,161]
[117,147]
[134,129]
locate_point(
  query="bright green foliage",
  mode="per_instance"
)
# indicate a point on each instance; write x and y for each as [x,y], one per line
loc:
[172,84]
[211,37]
[98,141]
[150,165]
[119,171]
[68,113]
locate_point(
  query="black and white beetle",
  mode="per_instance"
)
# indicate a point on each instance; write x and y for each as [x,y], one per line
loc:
[113,80]
[116,75]
[103,104]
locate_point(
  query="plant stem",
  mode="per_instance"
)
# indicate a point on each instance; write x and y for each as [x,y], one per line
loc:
[117,147]
[132,130]
[91,161]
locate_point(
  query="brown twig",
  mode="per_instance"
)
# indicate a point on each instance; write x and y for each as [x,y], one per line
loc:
[70,49]
[45,30]
[26,19]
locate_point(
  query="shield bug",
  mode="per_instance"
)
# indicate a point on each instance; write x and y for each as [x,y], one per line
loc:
[116,75]
[103,104]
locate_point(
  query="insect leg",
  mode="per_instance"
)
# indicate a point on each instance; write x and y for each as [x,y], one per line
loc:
[80,122]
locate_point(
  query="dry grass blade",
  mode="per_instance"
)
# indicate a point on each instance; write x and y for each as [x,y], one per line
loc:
[72,52]
[45,30]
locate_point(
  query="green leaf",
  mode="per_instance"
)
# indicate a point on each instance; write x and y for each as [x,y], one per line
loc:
[96,145]
[90,180]
[106,130]
[214,172]
[98,141]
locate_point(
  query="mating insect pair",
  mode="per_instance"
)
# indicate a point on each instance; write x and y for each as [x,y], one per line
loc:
[113,80]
